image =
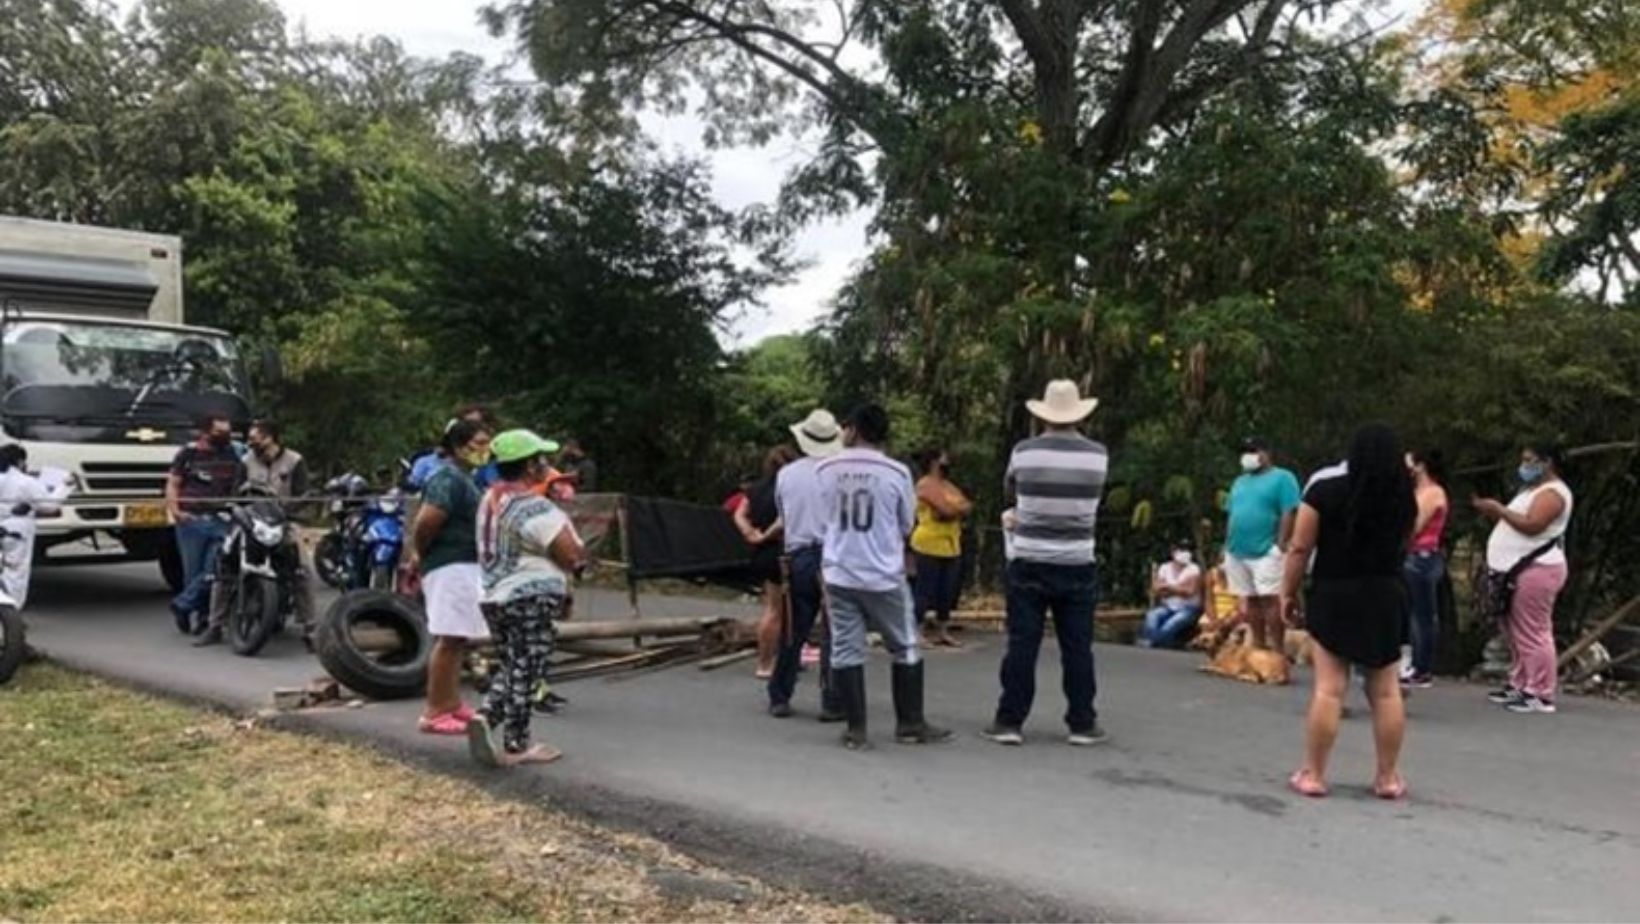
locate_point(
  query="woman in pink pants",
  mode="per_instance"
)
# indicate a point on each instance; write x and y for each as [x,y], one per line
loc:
[1531,527]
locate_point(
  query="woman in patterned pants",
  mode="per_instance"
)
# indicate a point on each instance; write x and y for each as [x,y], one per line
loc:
[527,550]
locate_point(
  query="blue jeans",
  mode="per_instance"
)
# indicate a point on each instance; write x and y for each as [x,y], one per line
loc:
[1070,593]
[806,601]
[1423,572]
[938,586]
[199,540]
[1167,627]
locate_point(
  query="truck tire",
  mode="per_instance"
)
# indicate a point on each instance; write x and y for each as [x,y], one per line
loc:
[170,560]
[254,615]
[397,674]
[13,646]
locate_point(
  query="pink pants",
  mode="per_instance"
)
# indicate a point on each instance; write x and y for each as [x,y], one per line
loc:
[1532,630]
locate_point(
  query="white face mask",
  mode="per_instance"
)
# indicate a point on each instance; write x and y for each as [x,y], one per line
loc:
[1249,462]
[1181,558]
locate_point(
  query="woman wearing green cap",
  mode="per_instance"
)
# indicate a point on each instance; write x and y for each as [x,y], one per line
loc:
[528,550]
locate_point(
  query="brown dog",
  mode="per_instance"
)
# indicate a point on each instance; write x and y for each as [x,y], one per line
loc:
[1300,647]
[1234,656]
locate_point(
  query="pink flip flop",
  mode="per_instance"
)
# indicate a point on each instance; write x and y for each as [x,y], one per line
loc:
[446,724]
[1306,785]
[465,713]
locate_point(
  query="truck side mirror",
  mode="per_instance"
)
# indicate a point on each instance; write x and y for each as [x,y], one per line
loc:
[273,368]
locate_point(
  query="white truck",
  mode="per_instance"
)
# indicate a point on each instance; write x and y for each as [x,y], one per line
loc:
[100,377]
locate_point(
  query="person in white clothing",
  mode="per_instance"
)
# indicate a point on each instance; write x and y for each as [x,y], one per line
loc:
[1178,588]
[872,503]
[22,497]
[803,516]
[1527,543]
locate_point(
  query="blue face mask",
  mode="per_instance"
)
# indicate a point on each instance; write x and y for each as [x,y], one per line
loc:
[1530,474]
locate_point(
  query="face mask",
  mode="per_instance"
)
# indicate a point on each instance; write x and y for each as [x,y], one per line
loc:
[221,439]
[1181,558]
[1530,474]
[477,458]
[1249,461]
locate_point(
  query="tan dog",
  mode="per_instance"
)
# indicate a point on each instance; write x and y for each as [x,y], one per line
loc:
[1234,656]
[1300,647]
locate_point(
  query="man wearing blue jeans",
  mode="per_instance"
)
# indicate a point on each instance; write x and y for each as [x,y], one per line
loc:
[1057,479]
[803,519]
[203,474]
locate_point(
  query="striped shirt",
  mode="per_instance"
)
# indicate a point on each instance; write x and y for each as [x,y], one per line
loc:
[803,514]
[1058,479]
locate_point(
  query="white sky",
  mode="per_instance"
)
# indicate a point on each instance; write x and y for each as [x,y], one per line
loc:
[434,28]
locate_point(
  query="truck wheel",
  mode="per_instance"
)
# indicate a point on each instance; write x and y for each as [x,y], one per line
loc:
[393,627]
[170,560]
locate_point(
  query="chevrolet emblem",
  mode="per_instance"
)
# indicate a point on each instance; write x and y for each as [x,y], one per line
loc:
[145,435]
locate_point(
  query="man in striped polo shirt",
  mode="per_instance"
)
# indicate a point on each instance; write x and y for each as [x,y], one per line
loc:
[1056,479]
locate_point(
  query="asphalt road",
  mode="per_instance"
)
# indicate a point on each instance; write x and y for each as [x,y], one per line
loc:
[1184,815]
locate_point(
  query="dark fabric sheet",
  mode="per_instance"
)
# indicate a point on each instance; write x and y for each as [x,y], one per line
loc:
[673,539]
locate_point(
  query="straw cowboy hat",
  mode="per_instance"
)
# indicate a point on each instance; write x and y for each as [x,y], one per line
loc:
[819,435]
[1062,403]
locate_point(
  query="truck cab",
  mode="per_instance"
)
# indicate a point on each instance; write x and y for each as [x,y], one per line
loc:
[99,377]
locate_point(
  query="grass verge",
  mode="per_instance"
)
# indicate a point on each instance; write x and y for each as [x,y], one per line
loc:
[122,807]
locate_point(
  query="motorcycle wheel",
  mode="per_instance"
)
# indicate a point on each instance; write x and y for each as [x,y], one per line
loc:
[253,615]
[12,644]
[383,578]
[330,560]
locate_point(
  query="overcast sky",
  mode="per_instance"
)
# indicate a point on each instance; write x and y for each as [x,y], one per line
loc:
[434,28]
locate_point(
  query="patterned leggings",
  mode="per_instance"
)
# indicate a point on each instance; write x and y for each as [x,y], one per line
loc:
[522,631]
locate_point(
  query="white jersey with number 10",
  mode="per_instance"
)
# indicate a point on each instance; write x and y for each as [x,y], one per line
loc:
[873,507]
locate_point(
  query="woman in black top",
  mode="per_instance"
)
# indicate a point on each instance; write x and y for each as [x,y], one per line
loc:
[1356,518]
[759,522]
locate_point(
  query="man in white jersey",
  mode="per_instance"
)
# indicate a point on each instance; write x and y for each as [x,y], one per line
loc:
[872,504]
[803,516]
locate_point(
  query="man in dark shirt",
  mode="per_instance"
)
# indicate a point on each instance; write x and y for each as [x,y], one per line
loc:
[575,462]
[203,473]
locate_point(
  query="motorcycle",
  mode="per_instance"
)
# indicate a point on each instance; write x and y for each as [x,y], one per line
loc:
[362,549]
[259,567]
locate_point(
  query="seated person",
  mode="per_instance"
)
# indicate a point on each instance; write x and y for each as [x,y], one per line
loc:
[1178,587]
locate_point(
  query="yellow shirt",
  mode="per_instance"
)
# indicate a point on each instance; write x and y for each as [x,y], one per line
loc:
[934,537]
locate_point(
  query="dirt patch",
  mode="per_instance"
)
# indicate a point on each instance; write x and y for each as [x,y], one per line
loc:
[122,807]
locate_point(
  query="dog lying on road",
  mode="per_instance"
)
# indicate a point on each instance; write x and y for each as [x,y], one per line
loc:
[1233,655]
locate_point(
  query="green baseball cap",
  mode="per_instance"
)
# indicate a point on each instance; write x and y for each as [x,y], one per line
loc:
[515,445]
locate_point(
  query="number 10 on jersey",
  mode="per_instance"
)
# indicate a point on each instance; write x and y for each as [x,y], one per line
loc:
[856,510]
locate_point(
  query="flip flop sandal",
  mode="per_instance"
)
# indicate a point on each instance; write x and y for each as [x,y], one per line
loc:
[1392,793]
[446,724]
[1303,783]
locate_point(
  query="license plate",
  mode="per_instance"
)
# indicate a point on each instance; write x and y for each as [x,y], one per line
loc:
[140,515]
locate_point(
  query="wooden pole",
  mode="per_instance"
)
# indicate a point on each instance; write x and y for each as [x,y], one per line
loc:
[379,640]
[1598,632]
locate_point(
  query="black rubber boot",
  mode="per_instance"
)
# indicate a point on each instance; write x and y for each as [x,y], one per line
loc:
[910,727]
[849,683]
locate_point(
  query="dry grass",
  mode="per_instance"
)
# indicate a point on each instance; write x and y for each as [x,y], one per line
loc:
[120,807]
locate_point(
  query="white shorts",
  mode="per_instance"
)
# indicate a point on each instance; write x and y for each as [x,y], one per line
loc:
[450,594]
[1255,577]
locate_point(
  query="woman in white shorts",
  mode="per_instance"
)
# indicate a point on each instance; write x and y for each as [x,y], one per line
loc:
[444,556]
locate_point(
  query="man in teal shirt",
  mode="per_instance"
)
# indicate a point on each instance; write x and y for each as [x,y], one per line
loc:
[1262,506]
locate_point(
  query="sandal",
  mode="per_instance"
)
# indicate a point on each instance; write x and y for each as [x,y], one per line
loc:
[1394,792]
[1305,784]
[465,713]
[446,724]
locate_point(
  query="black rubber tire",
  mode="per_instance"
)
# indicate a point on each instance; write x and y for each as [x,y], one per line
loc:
[170,561]
[13,646]
[399,675]
[253,615]
[328,560]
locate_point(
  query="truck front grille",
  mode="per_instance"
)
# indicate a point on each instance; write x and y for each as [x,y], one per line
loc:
[141,478]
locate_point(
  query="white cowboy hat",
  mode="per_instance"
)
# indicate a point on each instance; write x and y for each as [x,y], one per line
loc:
[819,435]
[1062,403]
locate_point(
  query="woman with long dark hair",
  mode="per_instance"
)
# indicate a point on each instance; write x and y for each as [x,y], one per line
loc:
[1425,564]
[1356,519]
[758,520]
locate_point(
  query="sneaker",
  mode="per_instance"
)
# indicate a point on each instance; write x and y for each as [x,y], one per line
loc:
[211,636]
[781,710]
[1004,734]
[1087,737]
[1417,681]
[1505,696]
[1529,703]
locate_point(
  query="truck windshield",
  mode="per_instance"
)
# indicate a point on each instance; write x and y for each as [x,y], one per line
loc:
[71,372]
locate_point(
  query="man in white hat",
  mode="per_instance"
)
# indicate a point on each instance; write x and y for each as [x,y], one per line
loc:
[803,519]
[1057,479]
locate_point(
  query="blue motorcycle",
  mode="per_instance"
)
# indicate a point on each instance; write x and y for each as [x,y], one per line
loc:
[362,549]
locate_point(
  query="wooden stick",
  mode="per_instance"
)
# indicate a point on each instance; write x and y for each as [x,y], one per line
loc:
[1598,632]
[615,664]
[724,660]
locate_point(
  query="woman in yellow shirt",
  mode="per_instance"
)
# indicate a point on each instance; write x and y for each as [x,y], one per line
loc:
[936,542]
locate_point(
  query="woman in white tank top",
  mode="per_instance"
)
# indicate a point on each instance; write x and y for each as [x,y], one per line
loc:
[1531,526]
